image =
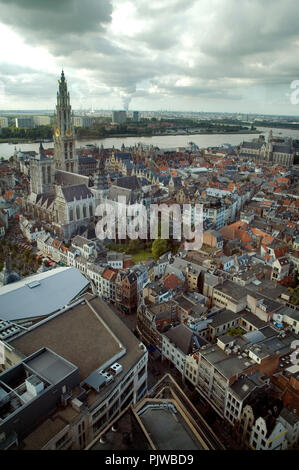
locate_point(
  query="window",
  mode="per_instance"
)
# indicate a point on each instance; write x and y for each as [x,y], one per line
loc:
[100,410]
[61,441]
[97,426]
[82,440]
[81,427]
[114,408]
[141,389]
[125,393]
[113,397]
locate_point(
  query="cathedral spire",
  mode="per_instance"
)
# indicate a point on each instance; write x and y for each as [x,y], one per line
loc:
[64,140]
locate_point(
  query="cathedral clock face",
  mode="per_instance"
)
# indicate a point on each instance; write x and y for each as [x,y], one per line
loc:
[57,132]
[68,132]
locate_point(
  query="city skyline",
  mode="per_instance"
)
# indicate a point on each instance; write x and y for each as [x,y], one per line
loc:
[201,57]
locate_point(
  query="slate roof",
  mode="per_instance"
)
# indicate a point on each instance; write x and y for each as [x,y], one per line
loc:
[123,155]
[132,277]
[114,192]
[85,159]
[224,317]
[183,338]
[45,198]
[77,191]
[243,387]
[128,182]
[184,303]
[252,145]
[278,148]
[288,416]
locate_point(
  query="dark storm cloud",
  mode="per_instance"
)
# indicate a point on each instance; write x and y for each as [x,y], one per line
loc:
[50,19]
[252,27]
[220,49]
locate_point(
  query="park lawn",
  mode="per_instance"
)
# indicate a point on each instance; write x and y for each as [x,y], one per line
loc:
[141,255]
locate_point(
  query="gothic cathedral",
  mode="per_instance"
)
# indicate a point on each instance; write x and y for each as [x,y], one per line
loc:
[60,198]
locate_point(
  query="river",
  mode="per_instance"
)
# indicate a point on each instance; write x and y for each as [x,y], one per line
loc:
[161,141]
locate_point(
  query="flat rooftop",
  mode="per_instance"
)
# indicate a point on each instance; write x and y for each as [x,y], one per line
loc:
[77,335]
[168,429]
[45,431]
[232,290]
[133,350]
[127,425]
[50,366]
[87,335]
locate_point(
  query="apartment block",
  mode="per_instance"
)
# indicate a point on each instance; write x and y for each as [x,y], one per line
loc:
[72,374]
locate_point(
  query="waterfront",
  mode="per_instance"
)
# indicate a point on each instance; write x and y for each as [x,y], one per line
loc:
[165,141]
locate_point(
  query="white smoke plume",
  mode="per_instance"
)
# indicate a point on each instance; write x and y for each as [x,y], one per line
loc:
[126,101]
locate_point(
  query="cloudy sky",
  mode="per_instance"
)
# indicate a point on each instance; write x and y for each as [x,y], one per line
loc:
[201,55]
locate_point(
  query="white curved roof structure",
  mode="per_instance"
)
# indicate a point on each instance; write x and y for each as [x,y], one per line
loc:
[41,294]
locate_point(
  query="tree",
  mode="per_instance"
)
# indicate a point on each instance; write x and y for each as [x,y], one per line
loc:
[296,278]
[159,247]
[235,331]
[134,246]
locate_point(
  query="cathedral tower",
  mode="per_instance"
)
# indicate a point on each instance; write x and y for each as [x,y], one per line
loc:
[42,173]
[64,138]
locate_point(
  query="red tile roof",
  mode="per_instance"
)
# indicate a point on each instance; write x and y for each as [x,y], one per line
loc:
[171,281]
[128,263]
[109,274]
[8,194]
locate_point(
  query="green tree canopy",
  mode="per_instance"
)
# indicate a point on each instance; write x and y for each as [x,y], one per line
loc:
[159,247]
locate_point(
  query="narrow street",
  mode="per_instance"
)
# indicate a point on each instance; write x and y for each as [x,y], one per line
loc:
[158,368]
[128,319]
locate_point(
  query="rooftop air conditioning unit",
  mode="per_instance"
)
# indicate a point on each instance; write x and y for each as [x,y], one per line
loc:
[108,377]
[34,385]
[116,368]
[65,398]
[77,404]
